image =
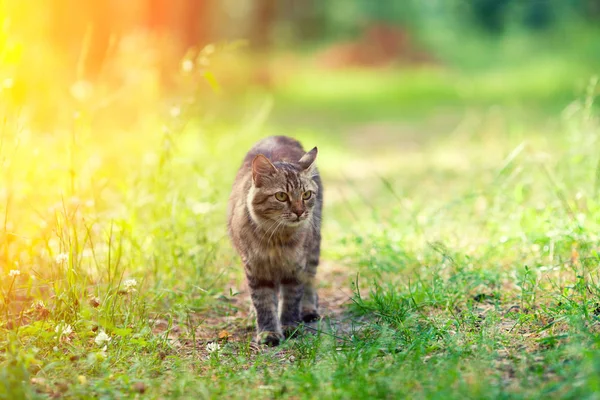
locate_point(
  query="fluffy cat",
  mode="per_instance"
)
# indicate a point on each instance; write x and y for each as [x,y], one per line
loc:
[274,221]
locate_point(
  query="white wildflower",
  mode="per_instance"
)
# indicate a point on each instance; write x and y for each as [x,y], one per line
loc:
[63,329]
[8,83]
[61,258]
[14,272]
[87,253]
[97,356]
[102,354]
[175,111]
[213,347]
[209,49]
[81,90]
[201,208]
[203,61]
[130,285]
[202,183]
[102,339]
[187,65]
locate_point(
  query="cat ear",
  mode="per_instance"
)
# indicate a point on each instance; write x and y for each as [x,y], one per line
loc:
[261,166]
[307,161]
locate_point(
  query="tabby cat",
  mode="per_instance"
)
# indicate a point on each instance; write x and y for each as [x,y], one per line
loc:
[274,217]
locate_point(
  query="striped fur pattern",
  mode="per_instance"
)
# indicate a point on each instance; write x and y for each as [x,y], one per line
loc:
[274,221]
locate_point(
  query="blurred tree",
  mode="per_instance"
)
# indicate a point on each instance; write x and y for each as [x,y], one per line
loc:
[188,20]
[265,14]
[592,9]
[490,14]
[84,28]
[538,15]
[307,18]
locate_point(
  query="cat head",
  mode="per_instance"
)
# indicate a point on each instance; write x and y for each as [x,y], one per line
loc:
[282,192]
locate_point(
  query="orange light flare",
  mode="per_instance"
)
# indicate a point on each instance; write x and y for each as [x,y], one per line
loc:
[70,124]
[83,113]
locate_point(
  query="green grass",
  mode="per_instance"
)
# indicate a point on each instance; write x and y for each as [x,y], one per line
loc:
[460,254]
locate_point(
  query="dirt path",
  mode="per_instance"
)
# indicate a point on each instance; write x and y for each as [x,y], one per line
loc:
[232,319]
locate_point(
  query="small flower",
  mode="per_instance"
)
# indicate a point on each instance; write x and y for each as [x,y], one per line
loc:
[102,338]
[213,347]
[63,329]
[187,65]
[81,90]
[175,111]
[209,49]
[203,61]
[61,258]
[14,272]
[8,83]
[201,208]
[130,285]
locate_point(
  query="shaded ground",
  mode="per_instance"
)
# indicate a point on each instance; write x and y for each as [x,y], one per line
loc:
[231,320]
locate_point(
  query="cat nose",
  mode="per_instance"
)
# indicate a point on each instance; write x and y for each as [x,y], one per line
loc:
[298,212]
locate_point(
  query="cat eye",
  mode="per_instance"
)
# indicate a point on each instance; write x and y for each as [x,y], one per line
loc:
[281,196]
[307,195]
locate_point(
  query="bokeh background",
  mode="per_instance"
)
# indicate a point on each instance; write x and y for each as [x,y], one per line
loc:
[479,51]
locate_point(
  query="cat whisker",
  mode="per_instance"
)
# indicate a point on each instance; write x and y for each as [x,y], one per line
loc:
[265,233]
[281,222]
[273,228]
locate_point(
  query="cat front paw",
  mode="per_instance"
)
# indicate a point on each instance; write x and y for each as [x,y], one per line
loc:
[310,315]
[271,339]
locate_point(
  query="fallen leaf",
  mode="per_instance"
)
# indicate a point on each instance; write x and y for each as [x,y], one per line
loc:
[139,387]
[224,334]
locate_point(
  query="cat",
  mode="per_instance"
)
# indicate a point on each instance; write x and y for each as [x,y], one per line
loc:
[274,222]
